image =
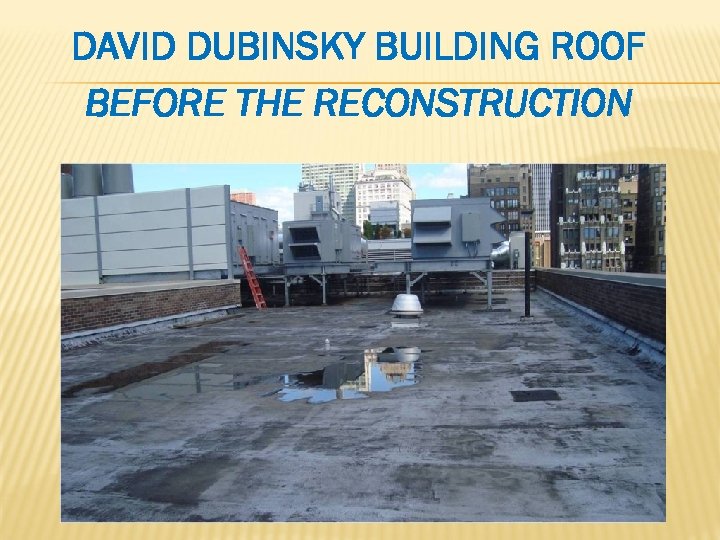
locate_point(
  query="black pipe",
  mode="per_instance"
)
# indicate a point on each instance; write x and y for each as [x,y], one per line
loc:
[527,274]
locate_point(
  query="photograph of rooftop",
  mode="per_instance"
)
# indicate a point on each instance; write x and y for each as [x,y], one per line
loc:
[363,342]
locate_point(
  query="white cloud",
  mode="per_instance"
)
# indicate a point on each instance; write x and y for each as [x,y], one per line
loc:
[452,176]
[277,198]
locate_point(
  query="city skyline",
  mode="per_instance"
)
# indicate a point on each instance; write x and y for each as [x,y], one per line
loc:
[274,184]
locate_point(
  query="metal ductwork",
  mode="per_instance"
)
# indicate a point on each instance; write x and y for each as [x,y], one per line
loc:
[117,178]
[66,186]
[87,180]
[91,180]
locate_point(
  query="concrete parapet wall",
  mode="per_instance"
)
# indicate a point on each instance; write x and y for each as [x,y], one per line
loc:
[634,301]
[102,311]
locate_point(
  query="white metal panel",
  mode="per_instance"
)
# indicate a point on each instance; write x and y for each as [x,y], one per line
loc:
[208,215]
[208,234]
[165,257]
[79,278]
[73,262]
[166,219]
[159,238]
[210,266]
[207,196]
[72,208]
[127,203]
[471,226]
[77,226]
[210,254]
[78,244]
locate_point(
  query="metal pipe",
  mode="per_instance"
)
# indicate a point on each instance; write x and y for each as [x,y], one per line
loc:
[324,300]
[527,273]
[489,289]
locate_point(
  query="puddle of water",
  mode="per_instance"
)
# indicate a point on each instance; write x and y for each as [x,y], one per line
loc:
[126,377]
[381,370]
[179,385]
[197,381]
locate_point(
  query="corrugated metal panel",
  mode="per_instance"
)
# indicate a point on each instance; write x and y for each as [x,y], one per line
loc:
[214,254]
[207,196]
[74,208]
[79,262]
[208,215]
[208,235]
[80,277]
[162,219]
[77,226]
[138,259]
[152,239]
[134,203]
[85,243]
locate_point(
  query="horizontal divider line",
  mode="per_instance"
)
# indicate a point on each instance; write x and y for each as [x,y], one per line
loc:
[174,209]
[388,83]
[126,250]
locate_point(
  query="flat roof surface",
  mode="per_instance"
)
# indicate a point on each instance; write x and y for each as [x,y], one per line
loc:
[491,418]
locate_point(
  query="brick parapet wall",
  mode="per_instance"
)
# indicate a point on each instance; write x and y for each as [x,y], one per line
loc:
[91,313]
[638,307]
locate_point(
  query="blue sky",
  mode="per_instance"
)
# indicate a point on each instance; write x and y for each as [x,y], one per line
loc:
[274,184]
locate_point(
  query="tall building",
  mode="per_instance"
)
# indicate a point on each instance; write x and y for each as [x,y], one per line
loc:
[541,214]
[397,167]
[510,189]
[628,188]
[588,206]
[343,177]
[243,196]
[541,196]
[311,203]
[560,176]
[383,185]
[652,217]
[541,250]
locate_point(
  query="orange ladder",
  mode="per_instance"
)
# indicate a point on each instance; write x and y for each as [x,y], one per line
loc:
[252,279]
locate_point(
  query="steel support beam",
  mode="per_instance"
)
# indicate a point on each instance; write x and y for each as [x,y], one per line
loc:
[489,289]
[322,282]
[527,273]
